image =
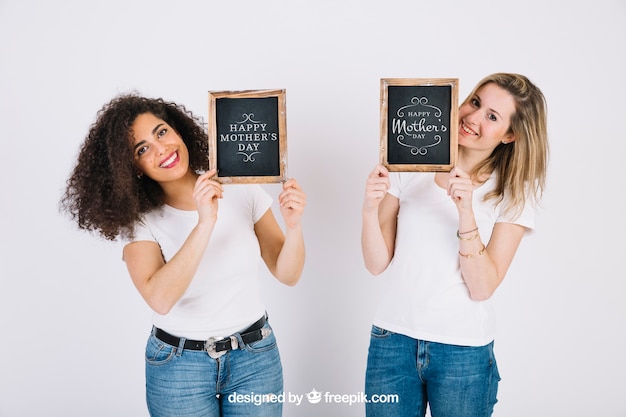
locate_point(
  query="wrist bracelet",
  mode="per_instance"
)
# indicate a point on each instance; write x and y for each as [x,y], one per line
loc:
[469,255]
[458,235]
[464,233]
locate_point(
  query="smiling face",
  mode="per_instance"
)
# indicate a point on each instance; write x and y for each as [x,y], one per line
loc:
[159,151]
[485,119]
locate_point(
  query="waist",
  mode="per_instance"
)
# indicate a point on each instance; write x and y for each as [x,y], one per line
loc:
[253,333]
[201,319]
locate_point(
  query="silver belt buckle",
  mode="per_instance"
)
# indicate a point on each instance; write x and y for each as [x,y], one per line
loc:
[209,346]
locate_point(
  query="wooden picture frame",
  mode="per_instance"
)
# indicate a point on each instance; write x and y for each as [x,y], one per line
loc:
[248,136]
[419,124]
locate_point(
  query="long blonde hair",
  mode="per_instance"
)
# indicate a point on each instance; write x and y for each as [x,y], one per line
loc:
[520,165]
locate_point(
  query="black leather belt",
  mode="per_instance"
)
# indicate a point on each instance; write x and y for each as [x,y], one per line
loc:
[216,348]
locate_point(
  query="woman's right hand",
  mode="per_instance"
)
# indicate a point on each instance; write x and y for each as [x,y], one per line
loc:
[376,188]
[206,194]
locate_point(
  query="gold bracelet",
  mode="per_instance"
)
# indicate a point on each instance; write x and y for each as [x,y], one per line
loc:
[458,235]
[464,233]
[469,255]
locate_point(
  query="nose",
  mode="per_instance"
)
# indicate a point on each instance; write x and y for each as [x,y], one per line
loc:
[160,148]
[472,117]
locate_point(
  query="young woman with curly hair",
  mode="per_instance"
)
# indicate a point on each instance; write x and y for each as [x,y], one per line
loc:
[446,240]
[192,249]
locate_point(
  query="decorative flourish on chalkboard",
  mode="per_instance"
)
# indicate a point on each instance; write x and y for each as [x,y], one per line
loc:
[421,101]
[248,117]
[418,150]
[248,157]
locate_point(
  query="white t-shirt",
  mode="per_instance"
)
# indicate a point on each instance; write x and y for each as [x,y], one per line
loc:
[224,295]
[427,298]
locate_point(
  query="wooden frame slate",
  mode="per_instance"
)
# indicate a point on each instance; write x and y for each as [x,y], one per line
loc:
[419,123]
[248,136]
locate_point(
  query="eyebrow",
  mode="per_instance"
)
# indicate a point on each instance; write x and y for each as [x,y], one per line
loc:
[138,144]
[157,128]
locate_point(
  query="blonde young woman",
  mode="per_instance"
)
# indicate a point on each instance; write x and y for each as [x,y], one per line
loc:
[446,241]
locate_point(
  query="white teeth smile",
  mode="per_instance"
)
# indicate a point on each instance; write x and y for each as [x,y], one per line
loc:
[468,130]
[169,160]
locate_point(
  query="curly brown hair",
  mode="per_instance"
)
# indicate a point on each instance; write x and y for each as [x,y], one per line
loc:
[104,193]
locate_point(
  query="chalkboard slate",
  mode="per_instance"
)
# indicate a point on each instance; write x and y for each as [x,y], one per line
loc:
[419,123]
[247,136]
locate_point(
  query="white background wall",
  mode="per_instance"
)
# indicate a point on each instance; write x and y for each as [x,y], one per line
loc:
[72,326]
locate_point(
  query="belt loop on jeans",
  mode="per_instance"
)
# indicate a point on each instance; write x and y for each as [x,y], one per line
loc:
[181,346]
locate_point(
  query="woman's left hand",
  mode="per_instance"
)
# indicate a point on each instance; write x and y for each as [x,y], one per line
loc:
[292,202]
[460,189]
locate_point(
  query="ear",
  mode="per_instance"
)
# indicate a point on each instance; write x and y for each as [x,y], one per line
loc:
[510,137]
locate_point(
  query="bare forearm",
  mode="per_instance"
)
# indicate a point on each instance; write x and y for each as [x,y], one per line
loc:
[477,268]
[376,253]
[168,284]
[290,260]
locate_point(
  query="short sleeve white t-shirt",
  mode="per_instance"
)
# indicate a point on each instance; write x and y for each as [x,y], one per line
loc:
[224,295]
[427,298]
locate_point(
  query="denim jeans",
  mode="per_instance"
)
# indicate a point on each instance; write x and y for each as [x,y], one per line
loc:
[454,381]
[190,383]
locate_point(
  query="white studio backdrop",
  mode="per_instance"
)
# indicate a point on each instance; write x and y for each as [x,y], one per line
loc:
[73,327]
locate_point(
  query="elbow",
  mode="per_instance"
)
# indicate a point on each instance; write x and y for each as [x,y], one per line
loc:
[376,265]
[160,306]
[481,294]
[290,279]
[291,282]
[161,310]
[375,271]
[483,289]
[376,268]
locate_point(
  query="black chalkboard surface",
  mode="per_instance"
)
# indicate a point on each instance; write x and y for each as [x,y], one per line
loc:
[419,123]
[247,136]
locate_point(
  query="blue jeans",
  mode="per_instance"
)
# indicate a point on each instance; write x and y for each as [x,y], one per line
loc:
[455,381]
[192,384]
